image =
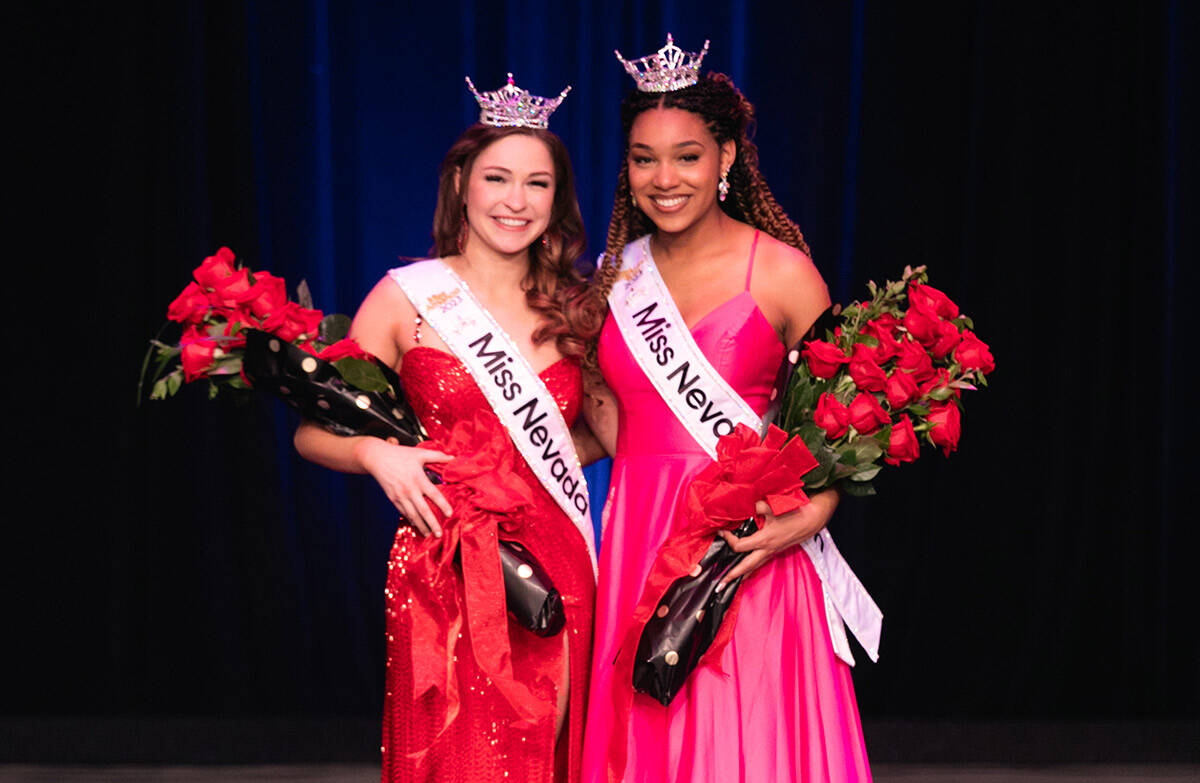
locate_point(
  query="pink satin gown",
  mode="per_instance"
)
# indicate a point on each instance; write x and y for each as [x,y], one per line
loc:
[784,710]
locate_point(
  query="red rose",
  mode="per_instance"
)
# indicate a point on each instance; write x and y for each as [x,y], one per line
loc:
[932,299]
[292,321]
[947,425]
[823,358]
[885,322]
[863,369]
[197,356]
[973,354]
[901,389]
[903,445]
[235,341]
[230,288]
[939,380]
[887,346]
[190,306]
[831,416]
[267,295]
[913,359]
[343,348]
[866,414]
[215,268]
[922,324]
[947,338]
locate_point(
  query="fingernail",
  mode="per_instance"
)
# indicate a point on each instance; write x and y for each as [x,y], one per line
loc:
[720,586]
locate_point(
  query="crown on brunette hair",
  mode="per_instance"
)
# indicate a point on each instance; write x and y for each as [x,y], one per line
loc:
[512,107]
[667,70]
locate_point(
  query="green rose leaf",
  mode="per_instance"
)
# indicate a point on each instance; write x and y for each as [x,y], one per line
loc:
[159,392]
[334,327]
[857,489]
[361,374]
[304,296]
[866,474]
[173,381]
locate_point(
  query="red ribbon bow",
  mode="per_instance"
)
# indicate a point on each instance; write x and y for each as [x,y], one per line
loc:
[726,492]
[489,499]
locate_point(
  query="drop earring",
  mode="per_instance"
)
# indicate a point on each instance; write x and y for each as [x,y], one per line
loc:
[723,186]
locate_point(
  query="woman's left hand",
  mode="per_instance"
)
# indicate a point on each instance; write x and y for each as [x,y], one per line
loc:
[779,533]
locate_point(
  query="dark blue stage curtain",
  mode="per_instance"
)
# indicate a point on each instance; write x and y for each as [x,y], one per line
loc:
[1034,157]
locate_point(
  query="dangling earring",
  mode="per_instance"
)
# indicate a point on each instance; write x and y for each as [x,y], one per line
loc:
[633,199]
[723,186]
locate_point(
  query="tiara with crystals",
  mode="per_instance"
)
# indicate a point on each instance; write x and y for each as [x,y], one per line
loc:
[512,107]
[667,70]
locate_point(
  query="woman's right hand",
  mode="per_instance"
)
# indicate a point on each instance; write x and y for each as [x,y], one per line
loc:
[400,471]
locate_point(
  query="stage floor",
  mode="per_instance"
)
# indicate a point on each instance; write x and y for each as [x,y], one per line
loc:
[365,773]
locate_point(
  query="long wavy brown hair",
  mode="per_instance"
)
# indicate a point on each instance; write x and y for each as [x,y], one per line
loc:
[553,288]
[728,115]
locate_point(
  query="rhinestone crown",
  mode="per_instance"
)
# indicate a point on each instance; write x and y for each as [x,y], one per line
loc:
[668,69]
[512,107]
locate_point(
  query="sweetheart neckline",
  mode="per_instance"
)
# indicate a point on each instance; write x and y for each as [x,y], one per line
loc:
[540,373]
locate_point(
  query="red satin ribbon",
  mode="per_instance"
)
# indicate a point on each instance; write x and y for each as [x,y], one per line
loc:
[489,499]
[719,498]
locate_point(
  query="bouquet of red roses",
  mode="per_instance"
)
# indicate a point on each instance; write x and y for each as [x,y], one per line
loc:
[888,376]
[875,378]
[223,303]
[241,332]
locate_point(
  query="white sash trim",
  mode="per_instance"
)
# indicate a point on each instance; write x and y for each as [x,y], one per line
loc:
[515,392]
[664,347]
[707,407]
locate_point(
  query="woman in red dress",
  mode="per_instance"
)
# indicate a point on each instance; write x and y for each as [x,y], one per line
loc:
[470,695]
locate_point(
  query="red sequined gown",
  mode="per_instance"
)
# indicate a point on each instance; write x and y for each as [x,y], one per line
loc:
[422,739]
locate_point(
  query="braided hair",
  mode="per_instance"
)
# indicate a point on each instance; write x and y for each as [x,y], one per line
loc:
[728,116]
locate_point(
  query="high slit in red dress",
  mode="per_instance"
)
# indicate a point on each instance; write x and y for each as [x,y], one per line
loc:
[466,730]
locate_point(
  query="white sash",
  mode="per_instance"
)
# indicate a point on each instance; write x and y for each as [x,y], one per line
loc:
[708,408]
[512,388]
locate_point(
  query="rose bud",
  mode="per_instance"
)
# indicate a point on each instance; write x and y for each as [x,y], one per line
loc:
[886,345]
[823,358]
[913,359]
[267,295]
[343,348]
[933,299]
[190,306]
[947,337]
[947,425]
[974,354]
[863,369]
[901,389]
[293,321]
[922,324]
[197,354]
[831,416]
[903,445]
[215,268]
[230,288]
[866,414]
[939,380]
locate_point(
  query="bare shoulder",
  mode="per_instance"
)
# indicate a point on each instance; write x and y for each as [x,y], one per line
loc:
[788,287]
[378,323]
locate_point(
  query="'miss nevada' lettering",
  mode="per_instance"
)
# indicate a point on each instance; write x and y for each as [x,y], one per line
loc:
[549,452]
[654,333]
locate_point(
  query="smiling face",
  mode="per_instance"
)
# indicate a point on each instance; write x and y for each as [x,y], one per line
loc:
[509,194]
[675,164]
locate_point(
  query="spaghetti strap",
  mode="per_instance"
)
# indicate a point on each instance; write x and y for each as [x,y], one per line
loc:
[750,266]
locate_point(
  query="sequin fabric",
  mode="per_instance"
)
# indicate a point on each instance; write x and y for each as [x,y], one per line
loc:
[480,744]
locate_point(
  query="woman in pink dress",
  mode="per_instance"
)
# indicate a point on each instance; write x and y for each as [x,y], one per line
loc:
[782,706]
